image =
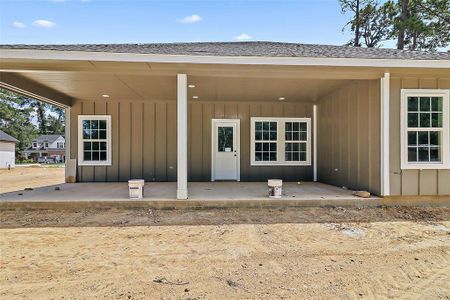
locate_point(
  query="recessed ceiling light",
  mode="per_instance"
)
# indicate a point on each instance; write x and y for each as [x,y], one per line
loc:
[281,98]
[105,96]
[194,97]
[191,86]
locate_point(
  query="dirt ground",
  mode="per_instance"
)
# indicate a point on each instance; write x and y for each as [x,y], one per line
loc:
[308,253]
[20,178]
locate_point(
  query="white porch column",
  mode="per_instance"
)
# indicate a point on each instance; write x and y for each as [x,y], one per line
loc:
[182,192]
[385,158]
[315,141]
[67,132]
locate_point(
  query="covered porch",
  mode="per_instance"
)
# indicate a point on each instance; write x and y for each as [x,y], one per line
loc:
[162,124]
[201,194]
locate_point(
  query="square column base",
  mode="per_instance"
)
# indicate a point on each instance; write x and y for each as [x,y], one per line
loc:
[182,194]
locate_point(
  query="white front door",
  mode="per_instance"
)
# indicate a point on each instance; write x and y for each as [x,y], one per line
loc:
[225,149]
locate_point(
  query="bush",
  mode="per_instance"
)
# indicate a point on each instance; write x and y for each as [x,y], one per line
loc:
[24,161]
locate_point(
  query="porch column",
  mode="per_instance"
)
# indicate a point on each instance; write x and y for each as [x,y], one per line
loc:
[182,192]
[67,134]
[385,167]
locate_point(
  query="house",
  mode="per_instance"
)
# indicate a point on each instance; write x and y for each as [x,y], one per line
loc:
[47,148]
[366,119]
[7,151]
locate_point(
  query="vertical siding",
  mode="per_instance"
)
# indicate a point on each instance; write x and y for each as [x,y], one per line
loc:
[349,135]
[144,139]
[201,113]
[413,182]
[141,133]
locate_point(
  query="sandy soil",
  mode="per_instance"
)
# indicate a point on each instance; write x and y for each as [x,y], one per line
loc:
[30,177]
[315,253]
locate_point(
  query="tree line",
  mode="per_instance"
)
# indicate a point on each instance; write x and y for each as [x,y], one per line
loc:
[413,24]
[25,118]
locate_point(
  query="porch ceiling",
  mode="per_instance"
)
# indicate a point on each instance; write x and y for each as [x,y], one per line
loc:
[89,80]
[144,87]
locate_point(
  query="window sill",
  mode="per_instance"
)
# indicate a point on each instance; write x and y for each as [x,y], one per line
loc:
[94,164]
[427,166]
[259,164]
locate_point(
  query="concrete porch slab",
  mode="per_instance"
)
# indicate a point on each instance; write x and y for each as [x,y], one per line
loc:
[162,195]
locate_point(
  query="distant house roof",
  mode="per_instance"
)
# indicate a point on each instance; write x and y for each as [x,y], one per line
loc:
[4,137]
[260,49]
[47,138]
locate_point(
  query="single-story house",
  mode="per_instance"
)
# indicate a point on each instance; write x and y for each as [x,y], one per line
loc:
[7,151]
[366,119]
[47,147]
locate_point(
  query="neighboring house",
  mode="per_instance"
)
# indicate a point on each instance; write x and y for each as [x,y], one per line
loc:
[49,148]
[7,151]
[366,119]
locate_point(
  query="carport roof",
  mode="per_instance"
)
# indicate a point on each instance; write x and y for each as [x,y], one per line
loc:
[244,49]
[4,137]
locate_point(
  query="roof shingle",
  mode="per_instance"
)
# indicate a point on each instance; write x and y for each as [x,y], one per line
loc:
[4,137]
[260,49]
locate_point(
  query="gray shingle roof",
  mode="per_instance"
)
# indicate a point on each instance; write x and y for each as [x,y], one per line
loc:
[4,137]
[263,49]
[47,138]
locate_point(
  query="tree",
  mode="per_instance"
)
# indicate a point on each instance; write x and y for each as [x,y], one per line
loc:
[55,124]
[354,7]
[17,113]
[39,108]
[414,24]
[15,120]
[376,24]
[422,24]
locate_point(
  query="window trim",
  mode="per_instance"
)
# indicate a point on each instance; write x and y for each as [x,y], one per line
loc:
[82,162]
[280,142]
[445,147]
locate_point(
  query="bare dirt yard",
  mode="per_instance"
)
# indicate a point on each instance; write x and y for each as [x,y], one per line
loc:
[292,253]
[20,178]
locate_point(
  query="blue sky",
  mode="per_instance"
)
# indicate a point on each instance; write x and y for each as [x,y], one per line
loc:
[141,21]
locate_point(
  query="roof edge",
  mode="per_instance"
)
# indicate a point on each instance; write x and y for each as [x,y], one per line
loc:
[208,59]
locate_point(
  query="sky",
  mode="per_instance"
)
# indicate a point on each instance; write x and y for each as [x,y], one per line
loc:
[146,21]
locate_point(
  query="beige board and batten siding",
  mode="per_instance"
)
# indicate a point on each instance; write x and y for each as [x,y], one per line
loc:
[349,136]
[413,182]
[144,139]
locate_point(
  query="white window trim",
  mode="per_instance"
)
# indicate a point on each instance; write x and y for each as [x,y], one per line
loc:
[82,162]
[280,142]
[445,148]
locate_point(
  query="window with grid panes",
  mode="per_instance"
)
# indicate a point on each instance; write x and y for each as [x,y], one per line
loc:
[94,148]
[280,141]
[425,128]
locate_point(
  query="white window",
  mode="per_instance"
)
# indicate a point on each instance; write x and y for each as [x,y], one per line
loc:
[94,140]
[35,145]
[425,129]
[60,145]
[280,141]
[45,144]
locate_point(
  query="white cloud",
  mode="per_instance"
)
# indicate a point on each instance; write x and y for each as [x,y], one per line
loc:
[44,23]
[190,19]
[243,37]
[19,25]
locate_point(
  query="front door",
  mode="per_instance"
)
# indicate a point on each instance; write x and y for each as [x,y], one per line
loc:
[225,149]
